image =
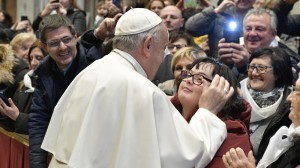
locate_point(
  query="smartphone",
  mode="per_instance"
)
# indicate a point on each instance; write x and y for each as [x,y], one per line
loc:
[231,36]
[231,32]
[191,4]
[4,98]
[24,18]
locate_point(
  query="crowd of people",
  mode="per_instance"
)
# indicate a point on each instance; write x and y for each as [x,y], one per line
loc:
[154,84]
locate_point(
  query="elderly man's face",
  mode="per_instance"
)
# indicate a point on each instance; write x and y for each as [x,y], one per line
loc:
[61,46]
[172,17]
[294,99]
[258,32]
[157,49]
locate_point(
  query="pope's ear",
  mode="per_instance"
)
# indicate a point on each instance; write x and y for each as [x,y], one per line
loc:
[147,45]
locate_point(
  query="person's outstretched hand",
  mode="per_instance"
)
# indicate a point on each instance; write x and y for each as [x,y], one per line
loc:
[107,27]
[290,2]
[49,7]
[216,95]
[236,158]
[180,4]
[113,10]
[225,4]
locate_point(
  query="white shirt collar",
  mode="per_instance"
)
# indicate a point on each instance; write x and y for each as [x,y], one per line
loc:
[132,61]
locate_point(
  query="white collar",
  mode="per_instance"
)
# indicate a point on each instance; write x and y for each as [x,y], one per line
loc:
[132,61]
[27,82]
[278,145]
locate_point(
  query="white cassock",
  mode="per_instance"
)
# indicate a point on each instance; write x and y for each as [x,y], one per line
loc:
[112,116]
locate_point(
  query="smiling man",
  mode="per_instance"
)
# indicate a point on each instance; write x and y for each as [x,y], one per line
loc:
[213,21]
[66,59]
[259,31]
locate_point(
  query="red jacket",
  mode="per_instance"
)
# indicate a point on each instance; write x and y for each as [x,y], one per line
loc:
[237,136]
[237,133]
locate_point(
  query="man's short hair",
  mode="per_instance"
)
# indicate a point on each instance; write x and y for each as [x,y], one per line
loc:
[178,34]
[260,11]
[53,22]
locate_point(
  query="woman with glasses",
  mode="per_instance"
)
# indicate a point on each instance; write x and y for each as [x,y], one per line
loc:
[284,146]
[235,114]
[266,89]
[182,60]
[177,40]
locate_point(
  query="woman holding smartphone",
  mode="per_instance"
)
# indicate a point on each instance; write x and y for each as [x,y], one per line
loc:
[64,7]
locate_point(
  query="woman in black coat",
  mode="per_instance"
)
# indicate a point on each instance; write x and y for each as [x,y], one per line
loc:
[283,148]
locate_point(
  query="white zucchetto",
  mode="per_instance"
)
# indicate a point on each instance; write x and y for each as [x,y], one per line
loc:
[137,20]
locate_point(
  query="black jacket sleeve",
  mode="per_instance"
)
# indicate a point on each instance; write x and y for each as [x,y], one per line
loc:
[38,121]
[288,24]
[36,22]
[21,124]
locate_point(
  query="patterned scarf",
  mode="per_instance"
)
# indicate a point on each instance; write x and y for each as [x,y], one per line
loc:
[264,99]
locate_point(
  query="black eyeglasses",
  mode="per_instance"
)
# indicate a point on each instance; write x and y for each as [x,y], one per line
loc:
[196,78]
[259,68]
[171,46]
[56,43]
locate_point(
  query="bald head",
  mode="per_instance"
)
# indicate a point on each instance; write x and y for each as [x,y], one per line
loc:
[172,17]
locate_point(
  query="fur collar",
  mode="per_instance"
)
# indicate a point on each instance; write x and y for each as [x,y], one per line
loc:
[6,65]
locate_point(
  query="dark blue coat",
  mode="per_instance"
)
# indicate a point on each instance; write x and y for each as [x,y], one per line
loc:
[50,86]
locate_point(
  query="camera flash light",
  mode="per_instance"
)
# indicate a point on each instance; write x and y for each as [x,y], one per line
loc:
[232,25]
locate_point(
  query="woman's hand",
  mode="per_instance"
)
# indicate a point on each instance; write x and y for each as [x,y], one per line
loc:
[236,158]
[50,6]
[11,111]
[216,95]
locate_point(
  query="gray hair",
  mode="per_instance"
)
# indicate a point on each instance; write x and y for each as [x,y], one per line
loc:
[131,42]
[260,11]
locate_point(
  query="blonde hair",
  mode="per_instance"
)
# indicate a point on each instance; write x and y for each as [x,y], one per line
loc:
[20,38]
[192,53]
